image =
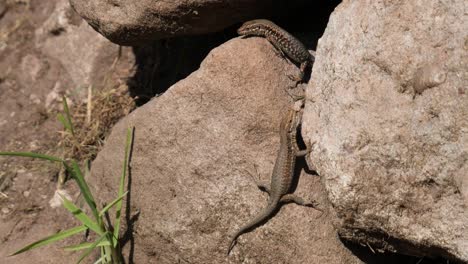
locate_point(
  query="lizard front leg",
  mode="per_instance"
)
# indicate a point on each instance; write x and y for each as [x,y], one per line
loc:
[300,77]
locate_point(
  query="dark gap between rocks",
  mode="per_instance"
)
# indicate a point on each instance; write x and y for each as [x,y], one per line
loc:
[365,254]
[162,63]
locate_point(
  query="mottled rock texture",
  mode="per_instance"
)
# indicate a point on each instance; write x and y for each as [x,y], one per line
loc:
[136,22]
[195,152]
[387,107]
[82,52]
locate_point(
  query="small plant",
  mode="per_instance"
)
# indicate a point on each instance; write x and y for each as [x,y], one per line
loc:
[107,236]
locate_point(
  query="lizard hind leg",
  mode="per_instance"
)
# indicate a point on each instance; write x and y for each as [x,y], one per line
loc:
[262,185]
[292,198]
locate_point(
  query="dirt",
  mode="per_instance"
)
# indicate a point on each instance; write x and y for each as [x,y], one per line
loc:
[28,122]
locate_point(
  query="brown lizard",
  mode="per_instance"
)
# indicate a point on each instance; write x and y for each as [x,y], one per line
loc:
[282,176]
[284,42]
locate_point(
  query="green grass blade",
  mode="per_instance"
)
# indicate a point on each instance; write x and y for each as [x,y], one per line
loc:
[62,119]
[99,260]
[81,216]
[128,145]
[31,155]
[92,247]
[103,253]
[107,254]
[86,245]
[68,116]
[45,241]
[105,209]
[84,188]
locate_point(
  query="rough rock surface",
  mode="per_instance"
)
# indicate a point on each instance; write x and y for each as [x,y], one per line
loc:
[80,51]
[136,22]
[195,151]
[387,108]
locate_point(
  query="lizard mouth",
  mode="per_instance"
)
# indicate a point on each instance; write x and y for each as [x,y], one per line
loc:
[241,31]
[246,30]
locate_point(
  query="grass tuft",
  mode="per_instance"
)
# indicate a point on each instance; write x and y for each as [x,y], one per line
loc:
[108,240]
[92,121]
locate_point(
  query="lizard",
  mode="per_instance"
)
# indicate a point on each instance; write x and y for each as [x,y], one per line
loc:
[282,175]
[285,43]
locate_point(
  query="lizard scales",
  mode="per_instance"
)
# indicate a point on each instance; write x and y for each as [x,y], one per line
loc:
[281,39]
[282,175]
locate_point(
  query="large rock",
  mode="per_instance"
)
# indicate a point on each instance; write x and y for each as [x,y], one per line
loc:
[387,108]
[136,22]
[84,54]
[194,156]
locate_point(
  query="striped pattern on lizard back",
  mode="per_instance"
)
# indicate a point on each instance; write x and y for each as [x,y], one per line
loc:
[282,176]
[279,37]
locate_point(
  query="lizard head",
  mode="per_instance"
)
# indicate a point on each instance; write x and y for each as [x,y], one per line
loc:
[254,27]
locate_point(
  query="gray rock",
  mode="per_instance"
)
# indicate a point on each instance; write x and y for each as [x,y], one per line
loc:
[387,107]
[194,156]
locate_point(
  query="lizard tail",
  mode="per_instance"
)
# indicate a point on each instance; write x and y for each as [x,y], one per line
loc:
[262,216]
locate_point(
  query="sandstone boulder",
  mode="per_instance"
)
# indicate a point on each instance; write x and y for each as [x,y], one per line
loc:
[82,52]
[387,107]
[136,22]
[194,155]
